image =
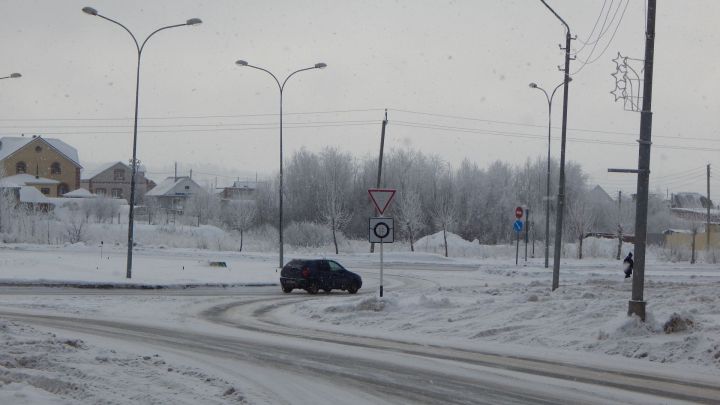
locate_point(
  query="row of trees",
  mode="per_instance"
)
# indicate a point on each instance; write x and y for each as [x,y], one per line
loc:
[328,190]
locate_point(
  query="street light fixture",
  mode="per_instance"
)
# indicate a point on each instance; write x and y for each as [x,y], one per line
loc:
[140,47]
[281,87]
[547,196]
[12,76]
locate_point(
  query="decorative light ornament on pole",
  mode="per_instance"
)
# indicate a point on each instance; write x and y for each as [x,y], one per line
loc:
[134,161]
[381,229]
[281,87]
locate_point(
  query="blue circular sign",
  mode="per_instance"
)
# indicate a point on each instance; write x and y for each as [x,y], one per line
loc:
[518,225]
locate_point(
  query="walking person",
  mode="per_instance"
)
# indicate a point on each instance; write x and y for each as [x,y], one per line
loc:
[628,264]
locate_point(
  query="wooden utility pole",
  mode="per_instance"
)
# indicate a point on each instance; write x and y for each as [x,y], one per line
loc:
[636,306]
[380,160]
[707,220]
[619,228]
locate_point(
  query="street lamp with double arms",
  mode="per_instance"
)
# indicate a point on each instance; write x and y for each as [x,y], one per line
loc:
[547,194]
[12,76]
[281,87]
[140,47]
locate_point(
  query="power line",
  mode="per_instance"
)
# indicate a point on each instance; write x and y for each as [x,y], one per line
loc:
[588,61]
[195,116]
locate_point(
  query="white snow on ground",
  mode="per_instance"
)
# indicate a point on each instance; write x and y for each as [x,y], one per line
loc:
[490,304]
[502,303]
[38,367]
[81,264]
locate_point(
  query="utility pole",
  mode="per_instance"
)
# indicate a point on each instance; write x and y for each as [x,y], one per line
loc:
[563,139]
[620,230]
[637,304]
[707,221]
[380,160]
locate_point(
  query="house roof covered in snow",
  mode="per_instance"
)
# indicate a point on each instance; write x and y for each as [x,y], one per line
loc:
[12,144]
[689,200]
[175,186]
[88,174]
[25,179]
[79,193]
[29,194]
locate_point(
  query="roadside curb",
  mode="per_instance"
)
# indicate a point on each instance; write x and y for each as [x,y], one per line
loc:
[131,286]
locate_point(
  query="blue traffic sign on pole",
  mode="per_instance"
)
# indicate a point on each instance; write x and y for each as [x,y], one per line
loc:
[518,225]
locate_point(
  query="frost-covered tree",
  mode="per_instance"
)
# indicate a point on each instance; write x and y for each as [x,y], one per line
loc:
[239,215]
[444,214]
[336,174]
[411,218]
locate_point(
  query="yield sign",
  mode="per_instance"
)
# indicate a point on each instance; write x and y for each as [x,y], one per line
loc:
[381,197]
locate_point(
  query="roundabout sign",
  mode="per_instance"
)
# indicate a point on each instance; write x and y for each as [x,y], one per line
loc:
[381,230]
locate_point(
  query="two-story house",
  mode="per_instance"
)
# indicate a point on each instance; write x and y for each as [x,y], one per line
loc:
[50,159]
[173,192]
[113,180]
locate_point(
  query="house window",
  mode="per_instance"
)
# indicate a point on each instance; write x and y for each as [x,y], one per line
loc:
[187,187]
[38,149]
[45,190]
[101,191]
[117,193]
[119,174]
[20,168]
[55,168]
[63,188]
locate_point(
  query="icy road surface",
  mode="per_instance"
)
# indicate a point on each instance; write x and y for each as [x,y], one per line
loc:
[257,345]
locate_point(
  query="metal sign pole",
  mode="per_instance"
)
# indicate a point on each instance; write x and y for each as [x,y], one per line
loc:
[381,269]
[517,247]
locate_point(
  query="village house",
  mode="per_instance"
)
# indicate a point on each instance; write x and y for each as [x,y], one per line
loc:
[113,180]
[48,164]
[173,192]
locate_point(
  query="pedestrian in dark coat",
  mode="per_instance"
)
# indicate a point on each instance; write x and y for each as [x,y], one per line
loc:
[628,263]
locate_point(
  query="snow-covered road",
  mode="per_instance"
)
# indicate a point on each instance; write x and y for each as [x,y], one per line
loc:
[238,341]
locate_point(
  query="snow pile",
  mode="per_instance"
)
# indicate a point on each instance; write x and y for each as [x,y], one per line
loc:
[502,303]
[459,247]
[43,368]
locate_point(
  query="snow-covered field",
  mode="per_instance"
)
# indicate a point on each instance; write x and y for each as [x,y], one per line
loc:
[483,303]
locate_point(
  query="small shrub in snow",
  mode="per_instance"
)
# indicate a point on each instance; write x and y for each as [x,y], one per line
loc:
[533,298]
[307,234]
[678,323]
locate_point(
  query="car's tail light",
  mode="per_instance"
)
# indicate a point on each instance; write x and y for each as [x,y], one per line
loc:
[306,272]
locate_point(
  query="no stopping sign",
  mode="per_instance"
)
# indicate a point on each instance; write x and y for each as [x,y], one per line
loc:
[381,230]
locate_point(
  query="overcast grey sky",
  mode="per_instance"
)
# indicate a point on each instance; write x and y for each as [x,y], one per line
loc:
[462,58]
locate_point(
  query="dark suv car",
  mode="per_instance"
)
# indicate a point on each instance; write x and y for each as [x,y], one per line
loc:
[315,275]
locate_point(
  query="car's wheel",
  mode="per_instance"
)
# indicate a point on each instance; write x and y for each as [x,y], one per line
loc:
[312,288]
[287,290]
[352,289]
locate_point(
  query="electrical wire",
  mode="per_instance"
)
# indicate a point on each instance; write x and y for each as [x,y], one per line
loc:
[589,59]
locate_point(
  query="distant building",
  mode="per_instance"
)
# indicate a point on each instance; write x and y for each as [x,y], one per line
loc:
[693,207]
[173,192]
[240,190]
[113,180]
[42,158]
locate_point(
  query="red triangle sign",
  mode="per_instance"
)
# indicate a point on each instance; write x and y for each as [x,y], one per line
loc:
[381,197]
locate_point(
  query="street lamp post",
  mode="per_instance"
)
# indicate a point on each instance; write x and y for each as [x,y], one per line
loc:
[140,47]
[547,193]
[281,87]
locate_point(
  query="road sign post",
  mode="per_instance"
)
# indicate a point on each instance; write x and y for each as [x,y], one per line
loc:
[517,227]
[381,229]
